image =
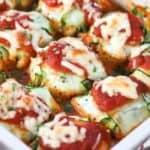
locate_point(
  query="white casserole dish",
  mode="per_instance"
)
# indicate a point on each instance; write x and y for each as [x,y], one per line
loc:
[131,142]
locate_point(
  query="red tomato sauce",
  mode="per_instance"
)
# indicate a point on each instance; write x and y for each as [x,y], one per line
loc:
[22,18]
[53,3]
[107,103]
[4,41]
[139,61]
[20,114]
[92,132]
[96,12]
[137,34]
[141,88]
[4,6]
[97,30]
[5,24]
[11,22]
[54,56]
[22,40]
[146,64]
[78,3]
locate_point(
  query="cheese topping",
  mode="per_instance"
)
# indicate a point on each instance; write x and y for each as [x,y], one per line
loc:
[14,96]
[137,50]
[76,43]
[56,132]
[34,27]
[120,84]
[75,52]
[93,12]
[73,68]
[31,20]
[30,123]
[39,37]
[142,76]
[115,30]
[13,41]
[97,142]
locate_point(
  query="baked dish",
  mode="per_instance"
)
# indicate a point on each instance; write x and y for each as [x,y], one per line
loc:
[74,74]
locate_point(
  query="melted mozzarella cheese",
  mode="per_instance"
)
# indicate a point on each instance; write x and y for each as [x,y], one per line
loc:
[35,21]
[120,84]
[63,82]
[37,36]
[77,51]
[42,110]
[72,67]
[56,132]
[93,13]
[30,123]
[76,43]
[86,106]
[9,91]
[14,95]
[115,30]
[142,77]
[137,50]
[97,142]
[35,25]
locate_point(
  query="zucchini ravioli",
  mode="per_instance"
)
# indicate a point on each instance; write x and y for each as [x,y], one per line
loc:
[65,16]
[22,34]
[65,66]
[113,101]
[71,132]
[113,34]
[21,110]
[138,8]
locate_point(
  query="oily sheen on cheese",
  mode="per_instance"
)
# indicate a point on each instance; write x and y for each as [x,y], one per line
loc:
[56,132]
[120,84]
